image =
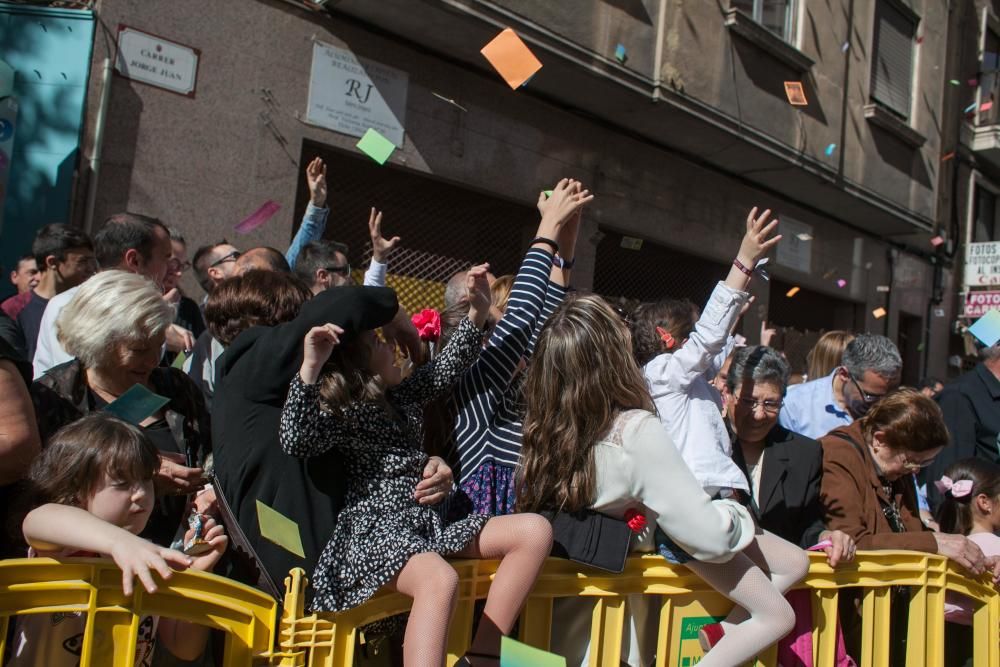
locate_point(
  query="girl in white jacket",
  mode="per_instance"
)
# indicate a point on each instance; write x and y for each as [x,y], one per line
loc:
[681,353]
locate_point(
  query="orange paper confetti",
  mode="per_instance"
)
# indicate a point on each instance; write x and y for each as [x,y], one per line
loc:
[511,58]
[878,313]
[796,95]
[947,156]
[792,292]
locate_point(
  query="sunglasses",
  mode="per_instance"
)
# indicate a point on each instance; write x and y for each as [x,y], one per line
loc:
[345,269]
[231,257]
[865,396]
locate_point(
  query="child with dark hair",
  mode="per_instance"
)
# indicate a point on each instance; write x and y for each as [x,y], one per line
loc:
[350,397]
[93,487]
[970,505]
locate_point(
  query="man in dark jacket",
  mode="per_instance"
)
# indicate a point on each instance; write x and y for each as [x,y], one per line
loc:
[971,407]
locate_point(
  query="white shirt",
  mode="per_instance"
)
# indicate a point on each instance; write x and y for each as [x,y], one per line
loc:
[638,467]
[688,405]
[49,351]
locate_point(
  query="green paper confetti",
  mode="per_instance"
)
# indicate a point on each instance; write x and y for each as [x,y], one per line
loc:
[278,528]
[375,146]
[136,404]
[515,654]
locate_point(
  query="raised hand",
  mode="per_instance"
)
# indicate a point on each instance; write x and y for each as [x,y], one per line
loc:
[317,347]
[568,197]
[316,178]
[480,300]
[756,242]
[381,249]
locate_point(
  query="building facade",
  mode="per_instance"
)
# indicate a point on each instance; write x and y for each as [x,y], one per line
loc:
[678,135]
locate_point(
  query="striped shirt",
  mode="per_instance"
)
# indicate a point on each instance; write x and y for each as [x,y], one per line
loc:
[486,401]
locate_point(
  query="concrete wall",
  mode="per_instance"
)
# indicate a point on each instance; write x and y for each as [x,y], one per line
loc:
[203,164]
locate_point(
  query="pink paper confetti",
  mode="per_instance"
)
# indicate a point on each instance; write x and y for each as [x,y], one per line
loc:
[973,82]
[936,241]
[841,283]
[986,106]
[258,217]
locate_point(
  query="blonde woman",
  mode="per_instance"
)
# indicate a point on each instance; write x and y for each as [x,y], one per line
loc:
[592,441]
[827,353]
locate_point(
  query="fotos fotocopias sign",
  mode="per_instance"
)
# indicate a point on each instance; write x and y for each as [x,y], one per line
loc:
[349,95]
[982,264]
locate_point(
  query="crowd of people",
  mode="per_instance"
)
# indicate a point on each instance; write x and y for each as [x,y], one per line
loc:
[522,420]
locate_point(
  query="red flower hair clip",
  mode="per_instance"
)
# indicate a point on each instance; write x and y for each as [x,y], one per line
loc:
[635,519]
[665,336]
[428,324]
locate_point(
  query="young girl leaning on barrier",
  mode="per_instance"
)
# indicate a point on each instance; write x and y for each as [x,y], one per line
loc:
[680,353]
[93,485]
[349,397]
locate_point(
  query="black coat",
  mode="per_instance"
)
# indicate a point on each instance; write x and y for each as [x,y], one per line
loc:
[251,385]
[789,504]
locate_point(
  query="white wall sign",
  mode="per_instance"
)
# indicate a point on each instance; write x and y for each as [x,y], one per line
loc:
[978,303]
[156,61]
[348,94]
[982,264]
[793,252]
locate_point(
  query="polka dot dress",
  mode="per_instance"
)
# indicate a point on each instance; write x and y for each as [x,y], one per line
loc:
[381,525]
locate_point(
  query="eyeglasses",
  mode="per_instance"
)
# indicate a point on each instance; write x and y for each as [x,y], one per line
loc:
[231,257]
[914,466]
[770,407]
[345,269]
[178,266]
[865,396]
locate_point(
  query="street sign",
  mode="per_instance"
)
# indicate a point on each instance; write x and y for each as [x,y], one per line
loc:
[978,303]
[982,264]
[159,62]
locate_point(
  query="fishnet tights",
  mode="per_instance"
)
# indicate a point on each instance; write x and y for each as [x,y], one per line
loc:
[755,580]
[521,541]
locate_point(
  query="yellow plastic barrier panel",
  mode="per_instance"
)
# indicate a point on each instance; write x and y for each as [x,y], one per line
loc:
[683,603]
[94,587]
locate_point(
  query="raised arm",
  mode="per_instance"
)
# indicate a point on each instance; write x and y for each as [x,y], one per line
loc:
[709,530]
[306,429]
[314,220]
[381,249]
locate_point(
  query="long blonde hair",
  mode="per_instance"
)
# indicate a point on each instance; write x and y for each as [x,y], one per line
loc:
[827,353]
[581,377]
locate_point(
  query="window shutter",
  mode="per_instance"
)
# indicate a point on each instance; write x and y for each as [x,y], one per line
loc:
[892,71]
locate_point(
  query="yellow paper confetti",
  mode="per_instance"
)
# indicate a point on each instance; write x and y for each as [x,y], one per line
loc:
[278,528]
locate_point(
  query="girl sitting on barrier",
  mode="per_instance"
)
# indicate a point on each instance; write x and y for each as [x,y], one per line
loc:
[680,354]
[349,396]
[94,483]
[592,441]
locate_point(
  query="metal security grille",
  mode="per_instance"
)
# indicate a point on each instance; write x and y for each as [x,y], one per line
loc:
[444,228]
[892,67]
[651,272]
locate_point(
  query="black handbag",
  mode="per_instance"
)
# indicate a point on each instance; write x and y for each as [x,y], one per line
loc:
[591,538]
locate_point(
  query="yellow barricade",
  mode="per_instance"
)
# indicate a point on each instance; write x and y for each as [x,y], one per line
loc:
[684,603]
[94,587]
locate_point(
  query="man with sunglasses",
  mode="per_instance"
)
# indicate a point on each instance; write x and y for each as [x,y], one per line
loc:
[215,262]
[870,369]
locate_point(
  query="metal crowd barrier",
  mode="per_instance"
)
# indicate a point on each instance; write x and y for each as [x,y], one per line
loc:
[258,635]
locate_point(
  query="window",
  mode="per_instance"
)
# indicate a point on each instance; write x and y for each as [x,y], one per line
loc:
[984,212]
[778,16]
[892,67]
[988,81]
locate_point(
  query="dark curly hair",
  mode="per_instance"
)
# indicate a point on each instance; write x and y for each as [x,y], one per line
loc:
[678,316]
[255,298]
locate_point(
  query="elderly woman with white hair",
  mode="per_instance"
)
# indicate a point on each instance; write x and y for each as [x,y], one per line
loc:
[115,327]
